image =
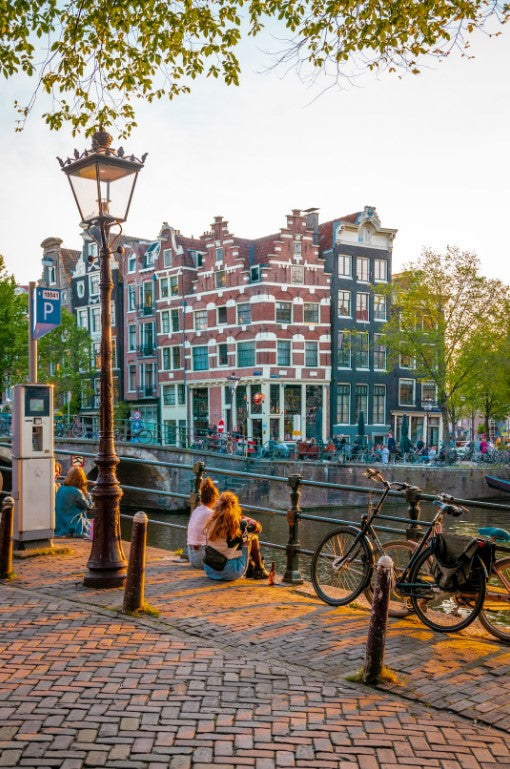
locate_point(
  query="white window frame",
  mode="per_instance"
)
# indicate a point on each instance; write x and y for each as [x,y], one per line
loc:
[381,301]
[348,294]
[384,404]
[413,381]
[94,284]
[362,275]
[378,263]
[130,337]
[200,321]
[167,257]
[345,260]
[362,298]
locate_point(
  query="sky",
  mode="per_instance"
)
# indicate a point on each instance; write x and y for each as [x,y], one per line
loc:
[430,152]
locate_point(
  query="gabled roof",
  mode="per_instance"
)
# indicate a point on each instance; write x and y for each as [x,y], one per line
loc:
[326,229]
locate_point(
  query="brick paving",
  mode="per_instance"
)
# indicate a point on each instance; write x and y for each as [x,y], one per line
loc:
[239,675]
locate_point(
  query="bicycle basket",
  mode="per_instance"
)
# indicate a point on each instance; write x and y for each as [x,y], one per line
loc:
[453,560]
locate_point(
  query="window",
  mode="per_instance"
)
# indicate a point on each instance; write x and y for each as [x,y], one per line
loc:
[151,253]
[362,307]
[255,273]
[82,318]
[174,286]
[283,354]
[344,266]
[181,394]
[200,358]
[364,235]
[246,354]
[171,358]
[95,354]
[223,354]
[95,318]
[94,284]
[222,316]
[310,313]
[407,362]
[131,298]
[343,404]
[344,304]
[362,269]
[198,258]
[360,345]
[297,273]
[380,270]
[429,394]
[274,399]
[406,392]
[219,279]
[243,314]
[379,352]
[379,393]
[169,395]
[131,337]
[112,314]
[361,403]
[132,378]
[283,312]
[297,252]
[132,262]
[379,308]
[167,257]
[165,322]
[170,432]
[163,288]
[344,351]
[219,254]
[80,289]
[311,354]
[175,320]
[200,317]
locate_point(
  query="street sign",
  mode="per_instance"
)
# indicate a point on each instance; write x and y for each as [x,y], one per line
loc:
[136,415]
[47,315]
[77,460]
[221,426]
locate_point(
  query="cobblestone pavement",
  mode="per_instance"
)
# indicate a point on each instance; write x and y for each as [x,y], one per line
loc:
[230,676]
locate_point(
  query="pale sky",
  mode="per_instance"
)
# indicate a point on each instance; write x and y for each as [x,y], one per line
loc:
[430,152]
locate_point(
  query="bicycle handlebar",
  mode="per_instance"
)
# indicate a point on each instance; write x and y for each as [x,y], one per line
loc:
[375,475]
[446,507]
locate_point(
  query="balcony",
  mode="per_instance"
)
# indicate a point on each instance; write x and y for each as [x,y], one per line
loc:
[147,392]
[146,351]
[144,310]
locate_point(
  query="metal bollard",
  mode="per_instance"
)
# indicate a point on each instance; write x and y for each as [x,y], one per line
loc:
[414,530]
[135,580]
[199,470]
[6,537]
[292,573]
[376,638]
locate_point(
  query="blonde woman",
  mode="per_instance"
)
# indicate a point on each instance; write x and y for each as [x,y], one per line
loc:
[235,537]
[196,536]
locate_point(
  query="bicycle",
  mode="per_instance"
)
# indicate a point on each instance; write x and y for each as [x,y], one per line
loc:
[495,613]
[327,574]
[346,557]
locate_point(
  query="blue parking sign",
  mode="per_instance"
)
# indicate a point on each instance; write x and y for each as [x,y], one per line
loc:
[47,311]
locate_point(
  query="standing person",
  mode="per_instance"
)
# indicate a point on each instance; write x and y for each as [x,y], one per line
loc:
[392,446]
[235,537]
[200,515]
[71,503]
[385,453]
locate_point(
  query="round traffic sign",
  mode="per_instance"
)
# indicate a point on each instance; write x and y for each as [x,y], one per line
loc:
[221,426]
[136,415]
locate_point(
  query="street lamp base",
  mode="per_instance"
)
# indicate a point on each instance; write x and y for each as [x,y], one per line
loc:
[105,578]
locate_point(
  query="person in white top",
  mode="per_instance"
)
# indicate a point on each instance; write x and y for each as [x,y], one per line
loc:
[199,517]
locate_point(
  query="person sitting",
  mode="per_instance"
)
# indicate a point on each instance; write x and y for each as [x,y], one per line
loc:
[432,453]
[71,503]
[234,536]
[208,495]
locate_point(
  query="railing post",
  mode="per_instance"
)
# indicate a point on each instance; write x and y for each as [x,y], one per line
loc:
[135,579]
[6,537]
[293,548]
[376,638]
[199,470]
[414,530]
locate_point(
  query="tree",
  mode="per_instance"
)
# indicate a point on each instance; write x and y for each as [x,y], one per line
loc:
[443,322]
[13,331]
[64,359]
[95,58]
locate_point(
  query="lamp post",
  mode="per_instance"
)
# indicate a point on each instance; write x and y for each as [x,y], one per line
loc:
[233,381]
[102,181]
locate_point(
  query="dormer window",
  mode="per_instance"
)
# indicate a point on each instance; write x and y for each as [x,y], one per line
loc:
[198,258]
[52,275]
[364,235]
[255,273]
[167,257]
[132,262]
[151,253]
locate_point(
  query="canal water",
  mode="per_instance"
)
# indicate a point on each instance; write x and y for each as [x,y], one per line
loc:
[275,528]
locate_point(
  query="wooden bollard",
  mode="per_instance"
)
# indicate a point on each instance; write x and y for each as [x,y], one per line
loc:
[376,638]
[6,536]
[135,580]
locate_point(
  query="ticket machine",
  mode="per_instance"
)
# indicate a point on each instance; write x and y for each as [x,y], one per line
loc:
[33,465]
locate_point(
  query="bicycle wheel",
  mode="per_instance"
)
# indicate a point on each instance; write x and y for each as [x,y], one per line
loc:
[495,614]
[400,552]
[445,610]
[338,580]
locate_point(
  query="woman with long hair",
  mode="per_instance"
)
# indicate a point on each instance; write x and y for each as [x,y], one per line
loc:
[208,495]
[234,536]
[71,503]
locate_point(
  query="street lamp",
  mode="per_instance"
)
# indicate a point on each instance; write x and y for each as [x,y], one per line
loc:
[233,381]
[102,181]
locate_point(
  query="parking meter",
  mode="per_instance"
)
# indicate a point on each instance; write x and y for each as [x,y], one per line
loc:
[33,464]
